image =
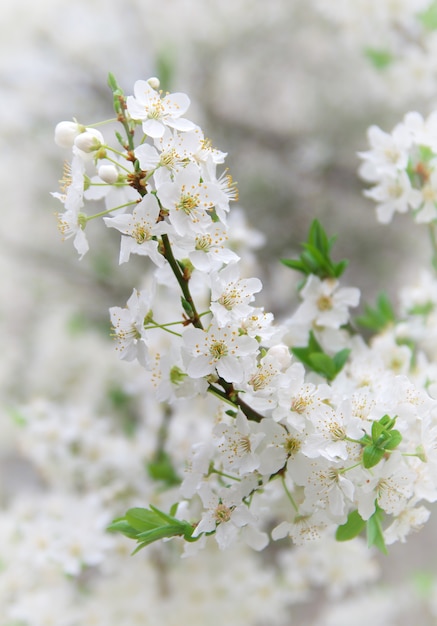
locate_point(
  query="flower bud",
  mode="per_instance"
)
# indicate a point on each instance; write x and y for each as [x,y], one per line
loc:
[108,173]
[280,356]
[154,82]
[89,141]
[66,133]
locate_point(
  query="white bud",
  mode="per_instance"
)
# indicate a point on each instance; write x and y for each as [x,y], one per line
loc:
[279,355]
[154,82]
[66,133]
[89,141]
[108,173]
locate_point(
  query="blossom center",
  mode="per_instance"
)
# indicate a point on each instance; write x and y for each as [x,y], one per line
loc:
[230,298]
[222,513]
[292,445]
[324,303]
[204,243]
[187,203]
[218,349]
[141,233]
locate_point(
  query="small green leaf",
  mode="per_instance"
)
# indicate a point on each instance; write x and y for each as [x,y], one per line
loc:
[379,57]
[187,307]
[375,534]
[352,528]
[372,456]
[161,468]
[394,441]
[379,317]
[340,359]
[322,364]
[121,526]
[315,256]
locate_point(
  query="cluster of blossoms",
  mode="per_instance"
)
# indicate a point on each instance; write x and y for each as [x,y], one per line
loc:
[311,428]
[402,166]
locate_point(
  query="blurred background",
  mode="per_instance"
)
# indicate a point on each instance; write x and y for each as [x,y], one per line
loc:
[287,88]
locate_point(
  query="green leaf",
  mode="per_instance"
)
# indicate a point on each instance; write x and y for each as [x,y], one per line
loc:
[142,519]
[187,307]
[121,526]
[379,317]
[372,456]
[352,528]
[340,359]
[379,57]
[429,17]
[394,441]
[315,359]
[162,469]
[315,257]
[149,525]
[322,364]
[375,534]
[294,264]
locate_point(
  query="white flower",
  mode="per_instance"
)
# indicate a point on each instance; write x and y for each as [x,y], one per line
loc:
[72,222]
[230,294]
[390,484]
[305,527]
[324,303]
[169,154]
[128,325]
[206,250]
[394,193]
[139,230]
[157,112]
[389,153]
[218,349]
[226,514]
[331,431]
[325,485]
[189,201]
[197,468]
[411,519]
[299,402]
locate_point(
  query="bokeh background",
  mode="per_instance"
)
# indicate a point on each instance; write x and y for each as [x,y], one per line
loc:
[287,87]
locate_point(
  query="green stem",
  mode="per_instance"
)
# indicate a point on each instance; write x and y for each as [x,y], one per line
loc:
[110,121]
[126,169]
[102,213]
[214,471]
[164,327]
[289,496]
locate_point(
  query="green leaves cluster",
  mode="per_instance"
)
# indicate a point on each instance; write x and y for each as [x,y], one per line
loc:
[316,255]
[378,317]
[383,438]
[149,525]
[313,357]
[355,525]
